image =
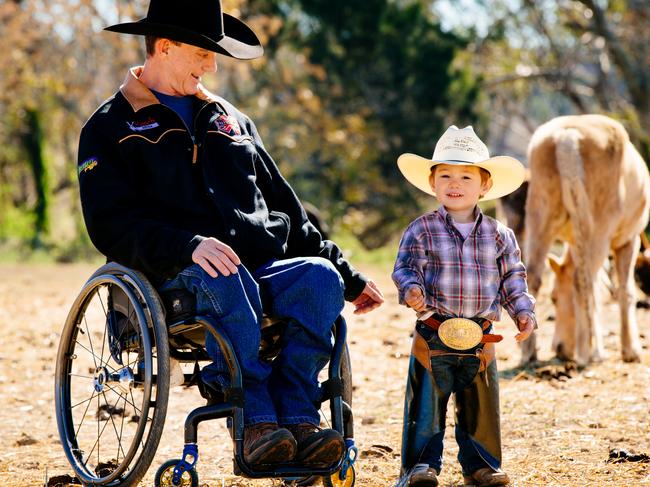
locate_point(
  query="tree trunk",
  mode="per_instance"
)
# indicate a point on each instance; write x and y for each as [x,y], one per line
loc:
[33,143]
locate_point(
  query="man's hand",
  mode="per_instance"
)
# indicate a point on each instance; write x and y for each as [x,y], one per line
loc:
[215,257]
[415,298]
[369,299]
[526,325]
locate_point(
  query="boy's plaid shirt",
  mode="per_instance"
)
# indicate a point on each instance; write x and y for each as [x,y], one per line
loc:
[471,278]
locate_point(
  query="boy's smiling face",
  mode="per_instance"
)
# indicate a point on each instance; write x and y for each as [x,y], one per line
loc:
[459,187]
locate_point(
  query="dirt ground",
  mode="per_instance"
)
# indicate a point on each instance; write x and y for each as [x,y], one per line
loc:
[557,428]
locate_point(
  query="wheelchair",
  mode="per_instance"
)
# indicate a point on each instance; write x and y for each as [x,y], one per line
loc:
[113,378]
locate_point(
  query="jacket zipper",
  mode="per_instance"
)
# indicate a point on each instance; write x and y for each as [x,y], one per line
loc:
[195,153]
[195,147]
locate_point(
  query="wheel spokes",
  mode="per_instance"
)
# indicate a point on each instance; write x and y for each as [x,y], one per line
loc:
[106,362]
[107,380]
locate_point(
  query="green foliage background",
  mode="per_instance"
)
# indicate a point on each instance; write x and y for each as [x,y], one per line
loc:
[343,89]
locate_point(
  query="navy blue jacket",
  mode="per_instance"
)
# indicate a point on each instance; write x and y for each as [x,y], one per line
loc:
[151,192]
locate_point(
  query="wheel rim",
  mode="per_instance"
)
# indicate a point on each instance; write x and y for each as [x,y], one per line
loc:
[337,481]
[103,407]
[166,478]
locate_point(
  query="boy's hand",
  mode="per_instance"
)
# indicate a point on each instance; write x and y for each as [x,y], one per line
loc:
[526,325]
[415,298]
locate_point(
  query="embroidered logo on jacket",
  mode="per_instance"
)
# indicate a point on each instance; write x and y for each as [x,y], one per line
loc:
[87,165]
[143,125]
[227,124]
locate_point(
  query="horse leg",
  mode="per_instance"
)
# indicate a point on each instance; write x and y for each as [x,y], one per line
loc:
[528,350]
[588,257]
[599,353]
[538,243]
[600,249]
[624,258]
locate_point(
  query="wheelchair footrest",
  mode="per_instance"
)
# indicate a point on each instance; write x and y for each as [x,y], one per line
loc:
[350,458]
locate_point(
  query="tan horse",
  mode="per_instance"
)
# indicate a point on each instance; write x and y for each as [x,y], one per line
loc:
[589,188]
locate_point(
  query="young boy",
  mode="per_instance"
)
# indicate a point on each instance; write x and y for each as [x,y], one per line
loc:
[456,268]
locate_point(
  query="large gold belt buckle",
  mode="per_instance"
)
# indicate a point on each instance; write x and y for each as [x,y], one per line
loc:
[460,333]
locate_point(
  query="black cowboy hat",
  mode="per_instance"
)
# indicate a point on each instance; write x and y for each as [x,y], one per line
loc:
[199,23]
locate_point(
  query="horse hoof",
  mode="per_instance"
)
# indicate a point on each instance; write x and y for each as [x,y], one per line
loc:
[599,356]
[561,353]
[631,357]
[527,359]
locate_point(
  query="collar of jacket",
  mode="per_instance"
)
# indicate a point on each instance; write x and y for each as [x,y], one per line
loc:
[139,96]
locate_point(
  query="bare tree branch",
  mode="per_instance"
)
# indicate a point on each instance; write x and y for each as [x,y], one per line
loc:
[635,79]
[546,74]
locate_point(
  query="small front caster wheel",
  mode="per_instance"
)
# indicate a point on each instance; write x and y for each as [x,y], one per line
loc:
[335,479]
[165,476]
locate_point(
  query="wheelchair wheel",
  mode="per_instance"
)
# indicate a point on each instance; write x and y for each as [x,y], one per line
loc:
[164,476]
[112,378]
[336,481]
[346,375]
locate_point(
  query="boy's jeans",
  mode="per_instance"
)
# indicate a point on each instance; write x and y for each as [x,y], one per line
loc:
[452,374]
[309,293]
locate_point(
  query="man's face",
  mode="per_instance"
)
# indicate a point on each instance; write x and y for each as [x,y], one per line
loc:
[458,187]
[185,64]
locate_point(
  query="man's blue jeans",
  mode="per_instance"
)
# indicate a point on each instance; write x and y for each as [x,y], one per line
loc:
[308,292]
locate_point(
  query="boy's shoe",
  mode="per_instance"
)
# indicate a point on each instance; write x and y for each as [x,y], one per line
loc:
[266,443]
[316,446]
[422,475]
[486,477]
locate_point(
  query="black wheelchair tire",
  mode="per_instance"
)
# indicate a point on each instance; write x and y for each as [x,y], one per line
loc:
[167,468]
[346,375]
[151,334]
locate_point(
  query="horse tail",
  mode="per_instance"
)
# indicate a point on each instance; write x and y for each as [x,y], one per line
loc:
[571,169]
[572,176]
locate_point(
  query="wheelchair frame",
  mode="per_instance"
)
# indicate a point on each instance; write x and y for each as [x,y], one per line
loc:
[147,349]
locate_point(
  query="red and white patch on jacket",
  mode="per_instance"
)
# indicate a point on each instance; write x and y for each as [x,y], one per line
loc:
[228,125]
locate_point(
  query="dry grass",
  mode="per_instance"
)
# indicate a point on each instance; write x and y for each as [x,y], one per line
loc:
[556,431]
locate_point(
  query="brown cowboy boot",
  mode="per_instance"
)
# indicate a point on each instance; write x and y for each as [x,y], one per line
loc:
[266,443]
[486,477]
[316,446]
[422,475]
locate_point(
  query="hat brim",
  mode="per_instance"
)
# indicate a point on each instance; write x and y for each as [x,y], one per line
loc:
[239,40]
[507,173]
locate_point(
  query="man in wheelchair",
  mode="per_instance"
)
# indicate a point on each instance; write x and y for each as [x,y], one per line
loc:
[175,182]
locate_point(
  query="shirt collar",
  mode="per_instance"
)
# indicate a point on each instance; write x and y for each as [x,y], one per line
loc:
[449,221]
[139,96]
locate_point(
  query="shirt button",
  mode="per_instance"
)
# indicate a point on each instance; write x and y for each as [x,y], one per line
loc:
[189,149]
[232,232]
[211,190]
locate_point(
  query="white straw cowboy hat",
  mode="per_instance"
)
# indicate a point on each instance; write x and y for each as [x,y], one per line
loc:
[463,147]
